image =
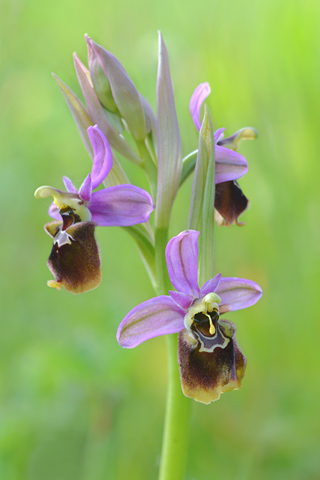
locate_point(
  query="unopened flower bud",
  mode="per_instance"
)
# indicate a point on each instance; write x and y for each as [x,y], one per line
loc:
[116,86]
[100,81]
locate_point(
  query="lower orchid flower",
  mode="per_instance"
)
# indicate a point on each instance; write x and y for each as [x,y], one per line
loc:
[210,359]
[229,202]
[74,259]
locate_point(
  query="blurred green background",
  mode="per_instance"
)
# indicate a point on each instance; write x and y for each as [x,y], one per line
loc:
[73,404]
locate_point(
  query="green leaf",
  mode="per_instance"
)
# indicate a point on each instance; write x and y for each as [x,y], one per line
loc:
[202,202]
[188,165]
[169,143]
[78,111]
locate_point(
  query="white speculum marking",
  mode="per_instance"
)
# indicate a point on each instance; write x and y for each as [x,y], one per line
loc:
[201,321]
[62,238]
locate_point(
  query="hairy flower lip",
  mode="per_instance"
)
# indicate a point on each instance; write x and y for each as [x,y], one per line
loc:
[74,259]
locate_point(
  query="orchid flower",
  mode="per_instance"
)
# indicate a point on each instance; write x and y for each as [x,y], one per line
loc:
[74,259]
[230,202]
[210,359]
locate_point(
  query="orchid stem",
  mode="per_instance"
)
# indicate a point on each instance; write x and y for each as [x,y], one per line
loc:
[148,166]
[176,426]
[161,239]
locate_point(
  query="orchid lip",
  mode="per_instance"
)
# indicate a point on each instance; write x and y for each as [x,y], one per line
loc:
[208,332]
[62,238]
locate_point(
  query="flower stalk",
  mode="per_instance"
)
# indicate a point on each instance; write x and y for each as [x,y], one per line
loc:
[175,439]
[176,426]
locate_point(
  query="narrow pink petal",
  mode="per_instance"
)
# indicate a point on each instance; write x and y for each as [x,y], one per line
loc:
[54,211]
[182,299]
[196,101]
[230,165]
[69,185]
[122,205]
[85,189]
[182,262]
[155,317]
[102,161]
[210,286]
[218,134]
[237,293]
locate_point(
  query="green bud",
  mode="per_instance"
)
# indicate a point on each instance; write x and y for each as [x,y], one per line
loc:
[100,81]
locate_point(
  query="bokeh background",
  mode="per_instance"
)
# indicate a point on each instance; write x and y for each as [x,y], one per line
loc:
[73,404]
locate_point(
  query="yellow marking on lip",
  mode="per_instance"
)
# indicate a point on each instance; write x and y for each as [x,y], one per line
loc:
[212,329]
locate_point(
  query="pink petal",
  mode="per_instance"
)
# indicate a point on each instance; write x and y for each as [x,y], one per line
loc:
[54,211]
[210,286]
[69,185]
[85,189]
[218,134]
[182,299]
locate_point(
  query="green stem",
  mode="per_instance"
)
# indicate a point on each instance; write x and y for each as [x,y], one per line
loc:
[175,436]
[148,166]
[161,240]
[176,428]
[188,166]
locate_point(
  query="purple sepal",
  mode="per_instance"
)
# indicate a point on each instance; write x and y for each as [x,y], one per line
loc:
[155,317]
[69,185]
[230,165]
[210,286]
[182,262]
[182,299]
[237,293]
[122,205]
[102,162]
[196,101]
[85,189]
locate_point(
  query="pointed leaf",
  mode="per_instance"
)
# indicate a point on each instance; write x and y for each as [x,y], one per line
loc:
[169,146]
[202,202]
[78,111]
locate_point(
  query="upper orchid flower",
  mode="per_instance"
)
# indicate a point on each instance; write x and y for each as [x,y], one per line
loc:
[229,201]
[209,357]
[74,259]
